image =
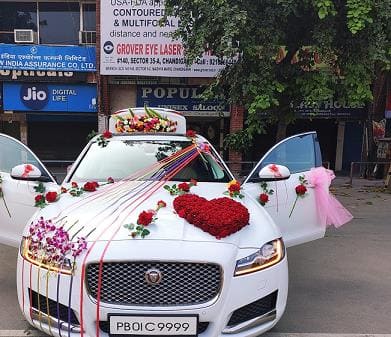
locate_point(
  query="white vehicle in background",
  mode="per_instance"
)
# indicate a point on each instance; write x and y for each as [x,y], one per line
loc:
[178,280]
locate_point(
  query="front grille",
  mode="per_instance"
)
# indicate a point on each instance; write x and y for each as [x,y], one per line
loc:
[55,310]
[254,309]
[105,327]
[181,283]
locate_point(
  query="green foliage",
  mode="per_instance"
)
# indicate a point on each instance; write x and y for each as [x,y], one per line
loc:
[325,7]
[358,14]
[40,188]
[91,135]
[287,52]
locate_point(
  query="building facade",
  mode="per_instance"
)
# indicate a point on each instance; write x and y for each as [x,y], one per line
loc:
[48,74]
[66,65]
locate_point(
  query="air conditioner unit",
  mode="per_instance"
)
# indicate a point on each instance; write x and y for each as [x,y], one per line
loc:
[87,37]
[24,36]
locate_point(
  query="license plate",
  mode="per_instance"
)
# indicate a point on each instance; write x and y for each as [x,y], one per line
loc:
[139,325]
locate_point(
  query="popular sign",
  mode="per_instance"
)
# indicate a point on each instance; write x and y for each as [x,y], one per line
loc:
[135,43]
[56,97]
[39,57]
[185,99]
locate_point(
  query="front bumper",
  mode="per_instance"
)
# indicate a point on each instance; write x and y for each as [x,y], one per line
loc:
[224,316]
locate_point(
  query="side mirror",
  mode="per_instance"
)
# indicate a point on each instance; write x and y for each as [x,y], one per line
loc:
[28,172]
[273,172]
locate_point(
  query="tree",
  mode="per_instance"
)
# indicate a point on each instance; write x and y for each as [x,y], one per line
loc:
[288,51]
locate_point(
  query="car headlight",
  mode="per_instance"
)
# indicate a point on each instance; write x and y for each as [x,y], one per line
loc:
[270,254]
[40,259]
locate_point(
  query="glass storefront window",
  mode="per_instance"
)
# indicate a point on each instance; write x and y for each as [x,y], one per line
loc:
[16,15]
[89,17]
[59,23]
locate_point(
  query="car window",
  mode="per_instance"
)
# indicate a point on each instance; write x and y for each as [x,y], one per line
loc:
[122,158]
[13,153]
[297,154]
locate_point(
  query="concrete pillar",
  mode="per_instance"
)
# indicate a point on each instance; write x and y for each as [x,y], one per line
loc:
[340,144]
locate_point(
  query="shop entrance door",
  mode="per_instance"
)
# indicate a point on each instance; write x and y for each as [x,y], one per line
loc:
[212,128]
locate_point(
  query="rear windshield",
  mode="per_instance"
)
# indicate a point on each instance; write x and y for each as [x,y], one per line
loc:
[123,158]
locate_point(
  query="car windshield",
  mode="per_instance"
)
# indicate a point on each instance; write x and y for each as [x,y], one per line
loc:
[123,158]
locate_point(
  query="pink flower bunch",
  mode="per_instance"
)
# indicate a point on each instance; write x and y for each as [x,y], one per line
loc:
[49,243]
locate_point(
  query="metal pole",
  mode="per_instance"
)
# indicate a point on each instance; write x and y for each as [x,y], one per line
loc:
[351,173]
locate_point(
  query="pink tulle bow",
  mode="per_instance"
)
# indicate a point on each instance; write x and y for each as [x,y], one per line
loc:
[330,210]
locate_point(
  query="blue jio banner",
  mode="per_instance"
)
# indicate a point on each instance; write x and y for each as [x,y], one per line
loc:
[50,97]
[40,57]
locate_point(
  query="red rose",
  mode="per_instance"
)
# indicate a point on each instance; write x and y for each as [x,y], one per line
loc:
[263,198]
[64,190]
[107,134]
[161,204]
[182,213]
[184,187]
[145,218]
[74,185]
[90,186]
[300,189]
[38,198]
[110,180]
[190,133]
[234,187]
[51,196]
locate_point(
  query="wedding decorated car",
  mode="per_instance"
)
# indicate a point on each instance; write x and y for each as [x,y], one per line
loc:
[150,234]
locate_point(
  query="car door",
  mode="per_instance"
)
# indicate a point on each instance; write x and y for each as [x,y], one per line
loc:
[296,216]
[17,202]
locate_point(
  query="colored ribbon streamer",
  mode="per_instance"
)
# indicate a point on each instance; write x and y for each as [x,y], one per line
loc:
[330,210]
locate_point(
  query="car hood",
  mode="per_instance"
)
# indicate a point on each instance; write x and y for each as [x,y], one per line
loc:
[101,216]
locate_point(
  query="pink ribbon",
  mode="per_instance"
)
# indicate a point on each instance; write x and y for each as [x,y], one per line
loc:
[330,210]
[27,169]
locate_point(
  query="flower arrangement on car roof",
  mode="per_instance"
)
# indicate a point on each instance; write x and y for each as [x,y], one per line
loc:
[152,121]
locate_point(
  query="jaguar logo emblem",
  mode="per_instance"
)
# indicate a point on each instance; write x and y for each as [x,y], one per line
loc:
[153,276]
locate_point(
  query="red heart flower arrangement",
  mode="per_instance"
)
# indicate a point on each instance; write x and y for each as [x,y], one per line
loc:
[219,217]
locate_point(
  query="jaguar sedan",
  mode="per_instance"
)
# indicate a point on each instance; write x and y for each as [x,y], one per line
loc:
[150,234]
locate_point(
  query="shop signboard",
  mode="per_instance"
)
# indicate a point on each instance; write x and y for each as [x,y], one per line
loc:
[50,97]
[185,99]
[42,76]
[41,57]
[331,109]
[134,41]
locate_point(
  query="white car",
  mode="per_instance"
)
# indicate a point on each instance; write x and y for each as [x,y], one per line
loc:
[144,272]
